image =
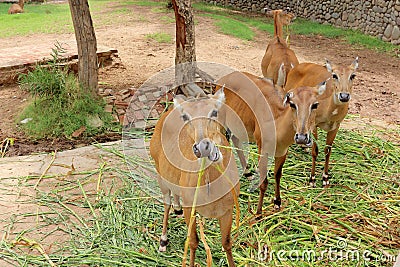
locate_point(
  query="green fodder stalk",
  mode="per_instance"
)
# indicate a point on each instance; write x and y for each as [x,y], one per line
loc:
[357,217]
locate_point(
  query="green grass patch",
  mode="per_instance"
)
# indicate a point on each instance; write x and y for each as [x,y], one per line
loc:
[167,19]
[234,27]
[48,18]
[55,117]
[150,3]
[226,20]
[359,214]
[160,37]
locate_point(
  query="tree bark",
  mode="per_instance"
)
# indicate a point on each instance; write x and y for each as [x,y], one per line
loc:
[87,44]
[185,58]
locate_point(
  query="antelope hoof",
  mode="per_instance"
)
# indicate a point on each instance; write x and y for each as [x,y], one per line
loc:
[163,245]
[178,213]
[312,181]
[325,180]
[277,204]
[249,174]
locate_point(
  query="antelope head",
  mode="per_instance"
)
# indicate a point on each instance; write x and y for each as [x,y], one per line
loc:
[284,16]
[303,102]
[200,118]
[342,80]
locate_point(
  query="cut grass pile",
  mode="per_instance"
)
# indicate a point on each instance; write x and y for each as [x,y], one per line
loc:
[354,222]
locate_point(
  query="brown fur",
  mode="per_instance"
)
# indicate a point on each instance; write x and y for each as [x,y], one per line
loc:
[331,110]
[171,147]
[278,56]
[261,108]
[17,8]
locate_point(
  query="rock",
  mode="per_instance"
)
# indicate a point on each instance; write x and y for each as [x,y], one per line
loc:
[327,16]
[345,15]
[351,18]
[107,92]
[94,121]
[108,108]
[25,121]
[388,31]
[395,33]
[78,132]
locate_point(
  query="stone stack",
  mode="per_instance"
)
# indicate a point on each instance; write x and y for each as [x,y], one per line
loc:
[378,18]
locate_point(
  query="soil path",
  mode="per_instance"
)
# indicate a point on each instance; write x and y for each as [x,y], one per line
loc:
[376,94]
[376,89]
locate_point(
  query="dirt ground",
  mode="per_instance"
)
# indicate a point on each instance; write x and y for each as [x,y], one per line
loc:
[376,93]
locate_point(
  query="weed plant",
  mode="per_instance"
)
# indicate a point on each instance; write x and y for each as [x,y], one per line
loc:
[60,105]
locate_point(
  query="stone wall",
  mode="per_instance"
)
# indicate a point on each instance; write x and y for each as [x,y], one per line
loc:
[378,18]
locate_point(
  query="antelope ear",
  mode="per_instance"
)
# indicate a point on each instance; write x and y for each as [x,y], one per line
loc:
[220,97]
[287,98]
[178,100]
[354,65]
[321,88]
[328,65]
[281,76]
[268,11]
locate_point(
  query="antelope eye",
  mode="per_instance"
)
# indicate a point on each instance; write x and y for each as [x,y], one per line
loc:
[185,117]
[214,113]
[335,76]
[292,105]
[314,106]
[352,76]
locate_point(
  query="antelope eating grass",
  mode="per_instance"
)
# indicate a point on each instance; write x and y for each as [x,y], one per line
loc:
[270,119]
[334,103]
[278,57]
[184,138]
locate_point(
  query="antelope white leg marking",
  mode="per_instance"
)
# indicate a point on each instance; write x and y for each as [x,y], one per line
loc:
[312,181]
[276,206]
[325,179]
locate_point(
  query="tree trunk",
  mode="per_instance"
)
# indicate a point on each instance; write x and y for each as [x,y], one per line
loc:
[87,44]
[185,59]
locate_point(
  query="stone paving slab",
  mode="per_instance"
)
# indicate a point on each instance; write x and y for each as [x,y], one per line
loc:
[29,54]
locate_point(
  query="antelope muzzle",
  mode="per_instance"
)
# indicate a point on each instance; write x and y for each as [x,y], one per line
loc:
[344,97]
[207,149]
[303,139]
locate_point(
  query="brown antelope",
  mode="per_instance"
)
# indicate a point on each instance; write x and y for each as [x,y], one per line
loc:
[334,103]
[273,121]
[183,137]
[17,8]
[278,57]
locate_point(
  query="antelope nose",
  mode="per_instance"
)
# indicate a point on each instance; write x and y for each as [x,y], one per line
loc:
[303,139]
[344,97]
[206,148]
